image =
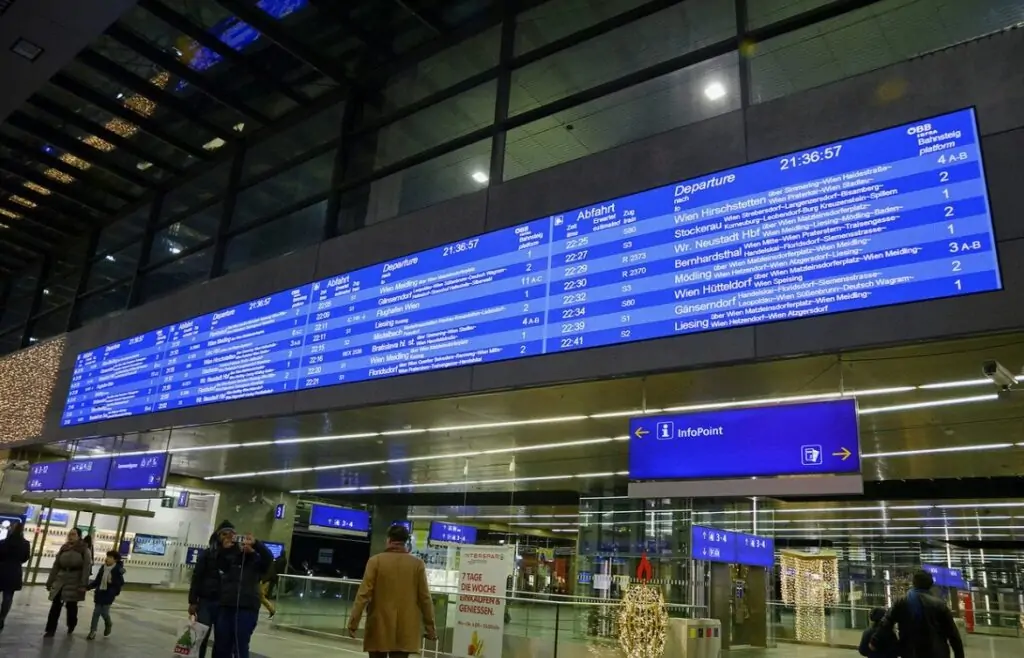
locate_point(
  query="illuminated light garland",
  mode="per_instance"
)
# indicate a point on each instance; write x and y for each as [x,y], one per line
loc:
[27,378]
[58,176]
[809,584]
[7,213]
[643,622]
[38,188]
[98,144]
[22,201]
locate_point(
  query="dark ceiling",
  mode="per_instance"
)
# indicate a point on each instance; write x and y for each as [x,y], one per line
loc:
[167,89]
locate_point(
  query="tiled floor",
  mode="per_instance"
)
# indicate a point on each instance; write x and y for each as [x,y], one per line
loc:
[146,625]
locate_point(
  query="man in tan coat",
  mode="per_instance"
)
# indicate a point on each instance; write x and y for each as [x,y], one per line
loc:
[400,609]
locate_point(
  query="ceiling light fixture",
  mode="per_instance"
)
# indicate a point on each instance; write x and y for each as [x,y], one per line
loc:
[214,144]
[928,404]
[26,49]
[937,451]
[960,383]
[714,91]
[174,249]
[463,483]
[480,177]
[109,258]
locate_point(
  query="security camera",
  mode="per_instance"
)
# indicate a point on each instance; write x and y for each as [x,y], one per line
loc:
[999,375]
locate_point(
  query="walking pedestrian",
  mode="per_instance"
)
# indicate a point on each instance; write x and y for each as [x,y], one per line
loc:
[204,590]
[14,552]
[395,589]
[107,585]
[926,626]
[68,580]
[242,565]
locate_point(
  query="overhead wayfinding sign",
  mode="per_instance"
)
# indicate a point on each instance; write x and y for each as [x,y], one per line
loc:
[714,545]
[116,475]
[814,438]
[900,215]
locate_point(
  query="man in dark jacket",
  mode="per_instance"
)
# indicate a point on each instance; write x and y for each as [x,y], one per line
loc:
[885,647]
[204,590]
[14,552]
[927,629]
[242,565]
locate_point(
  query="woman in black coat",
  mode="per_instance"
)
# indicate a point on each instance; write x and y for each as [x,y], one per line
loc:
[14,552]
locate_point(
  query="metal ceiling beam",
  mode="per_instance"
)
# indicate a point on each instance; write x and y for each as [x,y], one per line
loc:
[132,41]
[432,22]
[376,43]
[26,173]
[39,224]
[110,105]
[93,128]
[52,161]
[8,262]
[207,40]
[66,142]
[117,73]
[266,25]
[44,210]
[22,240]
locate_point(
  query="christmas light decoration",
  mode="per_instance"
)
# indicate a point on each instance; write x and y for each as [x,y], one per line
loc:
[38,188]
[22,201]
[58,176]
[7,213]
[27,379]
[643,622]
[810,582]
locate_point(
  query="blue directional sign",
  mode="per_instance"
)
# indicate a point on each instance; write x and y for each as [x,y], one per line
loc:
[137,472]
[793,439]
[339,520]
[451,533]
[946,576]
[714,545]
[87,474]
[900,215]
[47,476]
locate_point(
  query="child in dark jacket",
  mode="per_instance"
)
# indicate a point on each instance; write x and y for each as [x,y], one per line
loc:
[887,647]
[108,583]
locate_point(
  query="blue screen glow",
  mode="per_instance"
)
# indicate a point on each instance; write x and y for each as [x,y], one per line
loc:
[946,576]
[149,545]
[714,545]
[792,439]
[235,33]
[451,533]
[47,476]
[137,472]
[896,216]
[275,548]
[87,474]
[339,519]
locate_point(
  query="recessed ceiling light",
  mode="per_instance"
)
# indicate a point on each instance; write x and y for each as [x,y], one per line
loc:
[110,258]
[238,127]
[143,166]
[214,144]
[174,249]
[480,177]
[46,291]
[714,91]
[120,95]
[25,48]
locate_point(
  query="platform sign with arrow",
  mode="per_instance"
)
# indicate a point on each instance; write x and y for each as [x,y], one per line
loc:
[763,442]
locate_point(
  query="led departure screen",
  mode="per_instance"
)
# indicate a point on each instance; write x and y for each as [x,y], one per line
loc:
[339,520]
[899,215]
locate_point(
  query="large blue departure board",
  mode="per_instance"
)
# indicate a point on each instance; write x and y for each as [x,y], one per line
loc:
[895,216]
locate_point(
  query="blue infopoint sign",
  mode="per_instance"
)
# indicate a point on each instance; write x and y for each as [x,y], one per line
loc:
[814,438]
[714,545]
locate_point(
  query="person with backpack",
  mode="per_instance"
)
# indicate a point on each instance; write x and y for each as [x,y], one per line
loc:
[68,580]
[926,626]
[886,646]
[107,585]
[14,552]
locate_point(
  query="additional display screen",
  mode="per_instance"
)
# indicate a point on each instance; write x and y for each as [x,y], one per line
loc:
[896,216]
[59,517]
[137,472]
[714,545]
[234,33]
[150,545]
[405,524]
[87,474]
[275,548]
[792,439]
[339,520]
[7,522]
[451,533]
[48,476]
[946,576]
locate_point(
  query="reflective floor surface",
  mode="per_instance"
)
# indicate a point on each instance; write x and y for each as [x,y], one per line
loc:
[147,624]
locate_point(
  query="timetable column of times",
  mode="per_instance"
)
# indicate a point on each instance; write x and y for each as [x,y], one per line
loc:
[827,230]
[478,300]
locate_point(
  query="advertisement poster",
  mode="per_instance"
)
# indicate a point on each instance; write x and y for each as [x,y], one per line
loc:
[480,618]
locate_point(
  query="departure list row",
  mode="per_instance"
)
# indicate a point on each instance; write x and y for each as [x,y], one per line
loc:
[895,216]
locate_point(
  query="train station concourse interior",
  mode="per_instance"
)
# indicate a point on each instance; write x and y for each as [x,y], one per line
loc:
[666,328]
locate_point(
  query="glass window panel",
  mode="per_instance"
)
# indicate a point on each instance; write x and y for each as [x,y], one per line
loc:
[51,324]
[189,232]
[443,70]
[61,286]
[434,126]
[669,33]
[299,229]
[131,227]
[875,36]
[176,275]
[103,304]
[114,266]
[10,342]
[19,301]
[766,12]
[454,174]
[293,142]
[292,186]
[559,18]
[198,191]
[661,104]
